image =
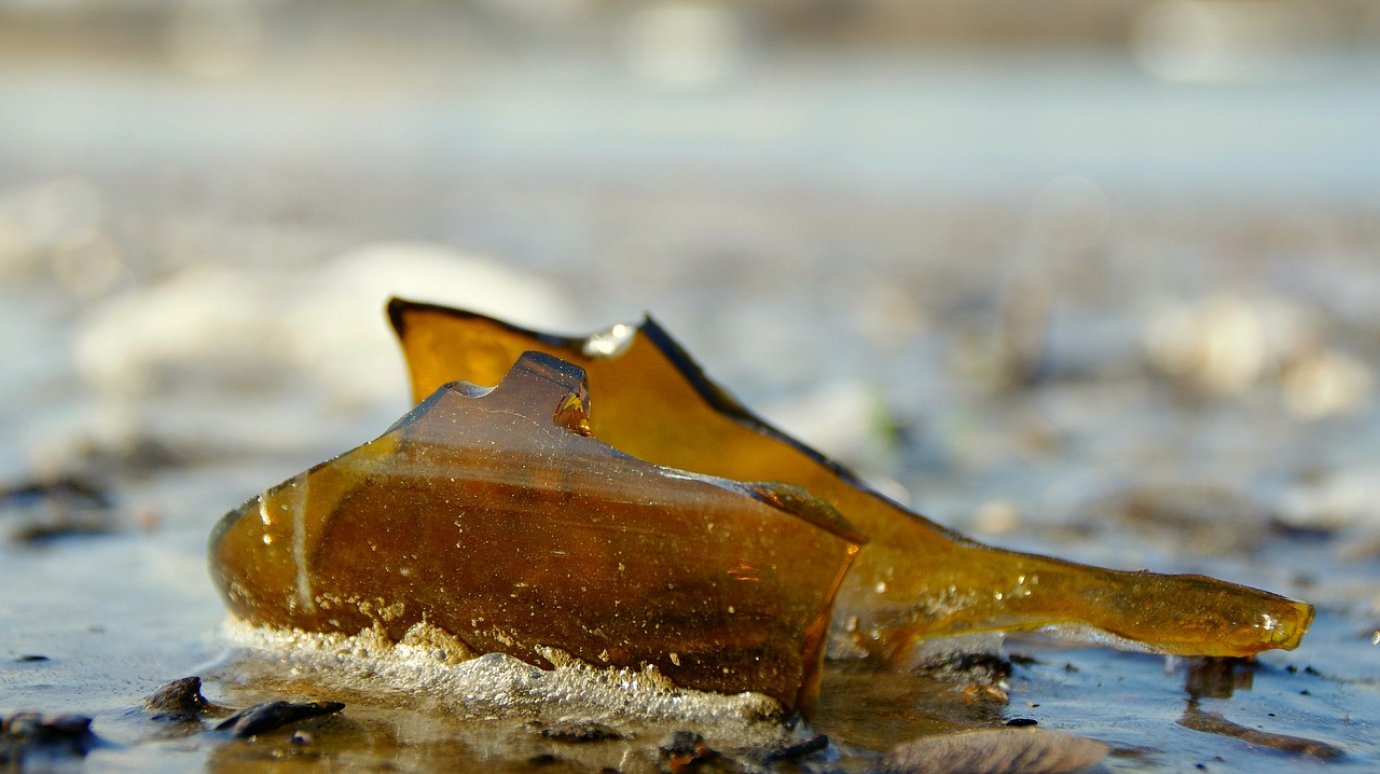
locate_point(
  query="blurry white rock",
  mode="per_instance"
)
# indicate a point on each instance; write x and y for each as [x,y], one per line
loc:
[686,44]
[1325,383]
[1224,344]
[1227,344]
[996,517]
[214,328]
[1226,41]
[340,332]
[204,319]
[1347,498]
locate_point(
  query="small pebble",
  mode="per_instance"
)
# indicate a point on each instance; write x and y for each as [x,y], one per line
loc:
[179,700]
[69,733]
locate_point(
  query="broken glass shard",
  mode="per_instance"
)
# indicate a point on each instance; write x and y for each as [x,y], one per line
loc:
[915,579]
[499,516]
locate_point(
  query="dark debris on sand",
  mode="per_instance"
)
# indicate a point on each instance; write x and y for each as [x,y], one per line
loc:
[576,731]
[181,701]
[46,509]
[684,749]
[272,715]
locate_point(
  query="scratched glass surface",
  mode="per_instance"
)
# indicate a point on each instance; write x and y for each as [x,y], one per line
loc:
[1114,304]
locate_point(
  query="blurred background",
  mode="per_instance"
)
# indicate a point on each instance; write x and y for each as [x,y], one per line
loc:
[867,208]
[1096,277]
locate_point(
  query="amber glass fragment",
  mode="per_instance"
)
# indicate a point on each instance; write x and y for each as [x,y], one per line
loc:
[493,515]
[914,579]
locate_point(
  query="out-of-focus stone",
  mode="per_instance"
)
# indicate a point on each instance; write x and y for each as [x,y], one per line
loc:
[1338,500]
[1325,383]
[1224,344]
[213,328]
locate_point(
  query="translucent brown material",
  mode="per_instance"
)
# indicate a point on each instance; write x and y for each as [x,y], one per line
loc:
[495,516]
[914,579]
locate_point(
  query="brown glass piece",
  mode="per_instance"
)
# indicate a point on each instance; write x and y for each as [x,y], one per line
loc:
[495,516]
[915,579]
